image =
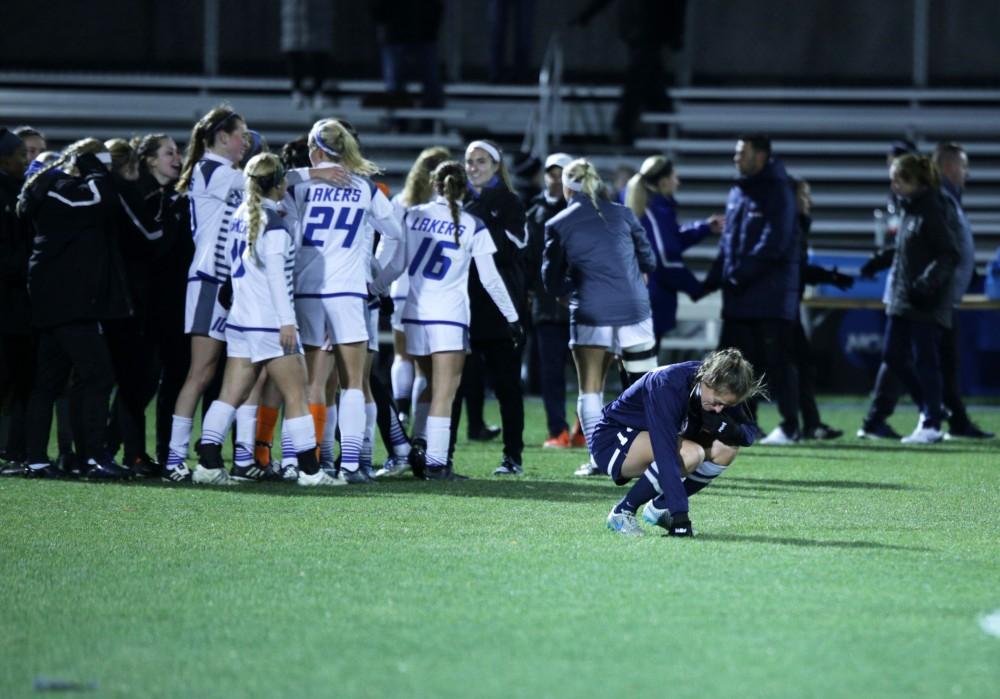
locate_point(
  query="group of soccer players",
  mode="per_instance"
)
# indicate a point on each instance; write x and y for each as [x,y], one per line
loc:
[287,268]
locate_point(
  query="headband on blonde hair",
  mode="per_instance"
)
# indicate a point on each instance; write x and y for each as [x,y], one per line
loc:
[571,184]
[316,136]
[483,145]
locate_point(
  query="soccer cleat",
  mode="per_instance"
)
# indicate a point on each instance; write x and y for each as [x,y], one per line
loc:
[589,469]
[108,471]
[509,467]
[968,430]
[443,473]
[680,526]
[70,464]
[393,466]
[560,441]
[923,435]
[210,469]
[651,514]
[624,523]
[823,432]
[278,473]
[252,472]
[319,479]
[779,437]
[144,467]
[484,433]
[48,471]
[176,474]
[877,430]
[357,477]
[10,467]
[578,440]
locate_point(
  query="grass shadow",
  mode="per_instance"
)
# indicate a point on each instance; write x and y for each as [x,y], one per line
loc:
[788,483]
[807,543]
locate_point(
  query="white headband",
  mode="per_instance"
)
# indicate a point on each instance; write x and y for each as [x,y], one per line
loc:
[483,145]
[316,136]
[571,184]
[104,158]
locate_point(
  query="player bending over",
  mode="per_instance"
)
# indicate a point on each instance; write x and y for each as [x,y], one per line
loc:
[675,430]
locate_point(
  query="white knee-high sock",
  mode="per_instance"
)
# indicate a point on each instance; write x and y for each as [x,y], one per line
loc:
[327,450]
[588,407]
[419,430]
[301,432]
[288,453]
[352,427]
[218,419]
[438,436]
[246,434]
[368,444]
[180,440]
[401,376]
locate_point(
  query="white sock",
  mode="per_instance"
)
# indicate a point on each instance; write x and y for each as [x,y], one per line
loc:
[246,434]
[217,421]
[289,456]
[368,445]
[419,422]
[588,407]
[302,431]
[328,449]
[438,436]
[352,427]
[180,440]
[401,376]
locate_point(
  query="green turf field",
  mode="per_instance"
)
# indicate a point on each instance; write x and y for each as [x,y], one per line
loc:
[853,570]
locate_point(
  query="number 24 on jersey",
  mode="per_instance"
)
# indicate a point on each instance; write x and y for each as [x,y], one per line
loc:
[318,224]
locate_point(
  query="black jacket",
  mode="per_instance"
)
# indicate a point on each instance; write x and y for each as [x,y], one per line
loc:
[924,260]
[76,272]
[503,213]
[545,308]
[15,248]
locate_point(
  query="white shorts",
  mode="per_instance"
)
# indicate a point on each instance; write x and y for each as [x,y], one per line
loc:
[614,338]
[255,345]
[423,340]
[373,327]
[203,315]
[339,320]
[397,314]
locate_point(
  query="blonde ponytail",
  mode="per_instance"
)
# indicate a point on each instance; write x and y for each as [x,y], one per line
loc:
[582,174]
[636,195]
[335,141]
[263,173]
[418,187]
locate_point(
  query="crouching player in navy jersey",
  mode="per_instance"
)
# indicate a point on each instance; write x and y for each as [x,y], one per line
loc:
[261,327]
[675,430]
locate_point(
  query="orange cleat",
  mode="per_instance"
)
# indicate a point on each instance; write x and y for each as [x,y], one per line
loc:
[559,442]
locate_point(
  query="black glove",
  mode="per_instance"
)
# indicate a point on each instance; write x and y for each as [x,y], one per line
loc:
[842,281]
[869,268]
[723,428]
[517,333]
[226,294]
[680,525]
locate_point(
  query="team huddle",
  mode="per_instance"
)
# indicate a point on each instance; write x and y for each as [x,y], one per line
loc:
[287,271]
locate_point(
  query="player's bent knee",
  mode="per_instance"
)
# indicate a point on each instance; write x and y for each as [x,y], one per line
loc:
[639,359]
[723,454]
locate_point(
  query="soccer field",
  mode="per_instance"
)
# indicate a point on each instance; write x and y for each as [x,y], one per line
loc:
[851,569]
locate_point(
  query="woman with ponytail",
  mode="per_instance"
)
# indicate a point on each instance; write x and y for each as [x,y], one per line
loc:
[332,271]
[490,197]
[650,196]
[917,295]
[76,281]
[597,253]
[260,330]
[441,241]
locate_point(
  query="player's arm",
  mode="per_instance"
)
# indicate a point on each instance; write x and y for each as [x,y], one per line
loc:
[555,268]
[665,411]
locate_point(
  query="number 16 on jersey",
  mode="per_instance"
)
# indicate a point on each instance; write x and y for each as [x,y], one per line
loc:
[438,263]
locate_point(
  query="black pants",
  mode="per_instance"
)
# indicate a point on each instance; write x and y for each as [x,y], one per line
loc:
[911,353]
[807,380]
[136,372]
[769,345]
[553,350]
[504,364]
[17,368]
[80,347]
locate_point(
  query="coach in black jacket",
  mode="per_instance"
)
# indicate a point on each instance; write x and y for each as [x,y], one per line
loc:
[76,280]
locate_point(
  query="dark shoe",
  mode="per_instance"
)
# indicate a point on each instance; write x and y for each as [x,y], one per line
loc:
[109,471]
[70,464]
[358,477]
[145,467]
[418,458]
[443,473]
[968,430]
[251,472]
[509,467]
[176,474]
[823,432]
[10,467]
[878,430]
[49,471]
[484,433]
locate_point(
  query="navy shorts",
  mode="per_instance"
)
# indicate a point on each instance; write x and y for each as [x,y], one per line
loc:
[609,447]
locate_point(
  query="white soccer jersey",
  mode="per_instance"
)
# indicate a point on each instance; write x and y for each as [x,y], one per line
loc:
[257,304]
[437,266]
[216,190]
[334,249]
[400,288]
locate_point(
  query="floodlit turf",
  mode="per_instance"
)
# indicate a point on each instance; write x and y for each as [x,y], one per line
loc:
[850,569]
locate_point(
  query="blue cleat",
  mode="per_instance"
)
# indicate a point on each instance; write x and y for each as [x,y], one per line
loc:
[624,523]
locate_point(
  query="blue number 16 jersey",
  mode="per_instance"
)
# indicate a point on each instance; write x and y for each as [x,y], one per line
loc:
[333,258]
[437,266]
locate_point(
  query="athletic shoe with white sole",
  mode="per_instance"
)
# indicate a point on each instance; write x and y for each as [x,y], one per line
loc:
[251,473]
[589,469]
[624,523]
[923,435]
[176,474]
[393,466]
[357,477]
[319,479]
[778,437]
[509,467]
[212,476]
[878,430]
